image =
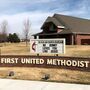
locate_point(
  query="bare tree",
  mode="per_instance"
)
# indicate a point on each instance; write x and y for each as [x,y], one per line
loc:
[26,30]
[4,26]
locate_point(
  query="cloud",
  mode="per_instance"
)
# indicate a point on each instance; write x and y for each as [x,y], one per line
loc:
[15,22]
[78,8]
[54,6]
[19,6]
[26,1]
[16,11]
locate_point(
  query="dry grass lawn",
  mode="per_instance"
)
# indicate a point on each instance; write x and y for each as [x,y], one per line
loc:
[56,75]
[14,49]
[78,50]
[21,49]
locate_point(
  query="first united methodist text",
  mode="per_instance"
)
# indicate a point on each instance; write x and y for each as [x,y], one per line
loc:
[40,61]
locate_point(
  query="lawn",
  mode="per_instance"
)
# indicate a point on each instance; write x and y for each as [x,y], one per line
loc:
[21,49]
[14,49]
[56,75]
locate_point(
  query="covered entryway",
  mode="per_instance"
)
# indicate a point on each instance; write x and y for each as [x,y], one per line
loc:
[67,37]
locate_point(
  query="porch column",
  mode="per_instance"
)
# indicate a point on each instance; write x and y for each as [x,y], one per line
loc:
[72,39]
[37,37]
[75,37]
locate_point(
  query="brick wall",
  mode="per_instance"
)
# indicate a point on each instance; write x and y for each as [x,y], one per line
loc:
[80,38]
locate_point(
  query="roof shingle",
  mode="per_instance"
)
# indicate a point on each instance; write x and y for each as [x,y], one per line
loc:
[76,25]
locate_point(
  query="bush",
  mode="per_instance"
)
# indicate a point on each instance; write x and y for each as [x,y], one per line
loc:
[13,38]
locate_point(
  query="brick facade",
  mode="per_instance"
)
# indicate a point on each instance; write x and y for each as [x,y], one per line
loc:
[82,39]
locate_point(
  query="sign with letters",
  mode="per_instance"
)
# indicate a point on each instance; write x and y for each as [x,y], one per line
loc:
[74,63]
[51,46]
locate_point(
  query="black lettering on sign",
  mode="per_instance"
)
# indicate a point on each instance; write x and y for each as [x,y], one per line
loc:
[54,51]
[46,48]
[45,51]
[44,44]
[51,45]
[54,48]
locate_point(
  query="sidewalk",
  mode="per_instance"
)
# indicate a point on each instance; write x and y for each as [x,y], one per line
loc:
[8,84]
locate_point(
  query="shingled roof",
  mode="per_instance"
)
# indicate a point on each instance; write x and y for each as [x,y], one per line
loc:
[53,20]
[71,24]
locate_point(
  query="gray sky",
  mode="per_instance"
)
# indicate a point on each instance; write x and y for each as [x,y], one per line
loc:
[16,11]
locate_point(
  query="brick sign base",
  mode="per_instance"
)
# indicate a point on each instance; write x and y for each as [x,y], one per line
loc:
[74,63]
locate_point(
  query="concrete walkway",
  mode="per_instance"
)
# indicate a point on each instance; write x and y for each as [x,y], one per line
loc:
[8,84]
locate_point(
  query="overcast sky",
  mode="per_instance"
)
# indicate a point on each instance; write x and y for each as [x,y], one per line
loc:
[16,11]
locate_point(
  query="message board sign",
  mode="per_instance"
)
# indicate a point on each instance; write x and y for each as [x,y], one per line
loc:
[51,46]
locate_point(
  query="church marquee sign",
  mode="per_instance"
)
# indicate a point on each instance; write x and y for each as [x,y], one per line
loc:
[51,46]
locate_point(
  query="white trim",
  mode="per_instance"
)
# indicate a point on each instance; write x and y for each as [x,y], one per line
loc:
[60,26]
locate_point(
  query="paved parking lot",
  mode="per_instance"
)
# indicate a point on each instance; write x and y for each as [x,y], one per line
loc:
[8,84]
